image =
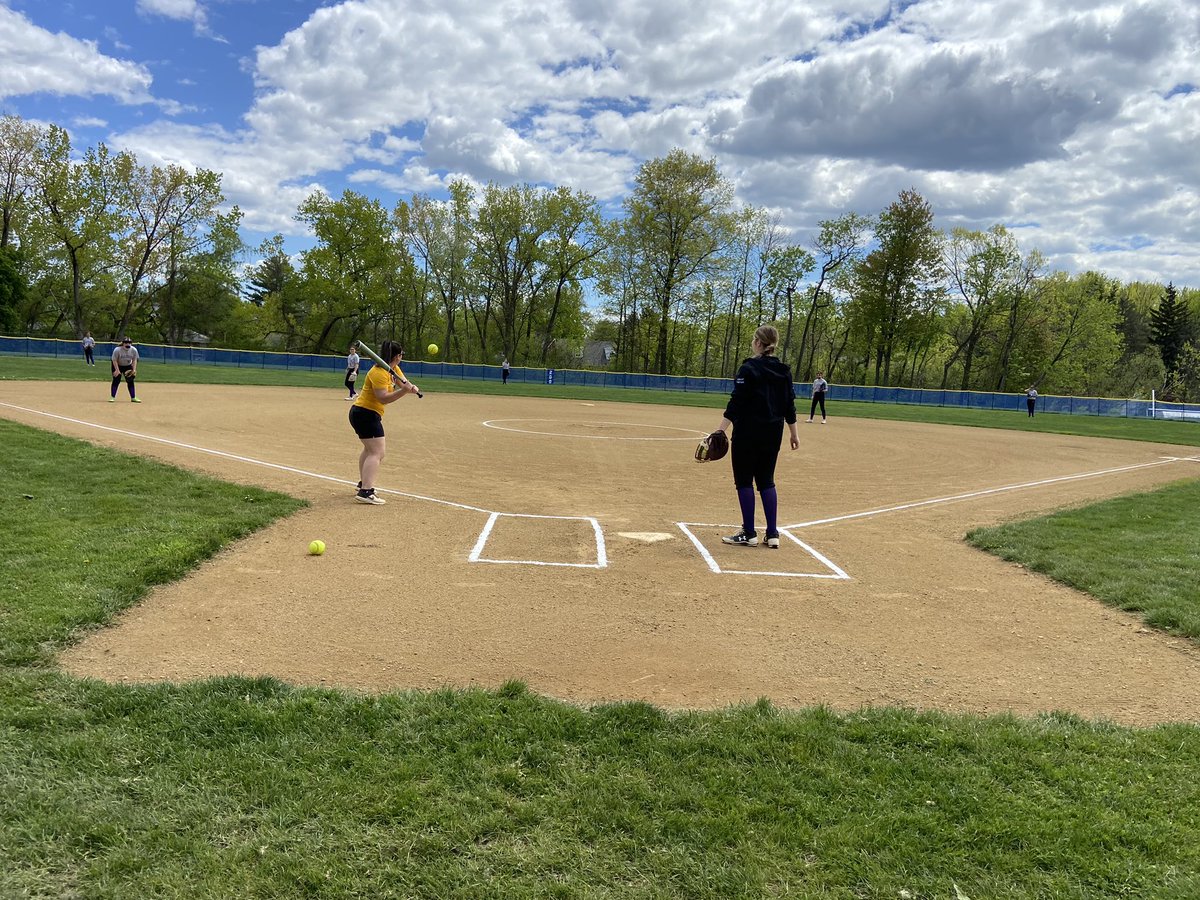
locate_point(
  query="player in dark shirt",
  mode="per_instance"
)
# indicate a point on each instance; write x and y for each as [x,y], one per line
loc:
[763,400]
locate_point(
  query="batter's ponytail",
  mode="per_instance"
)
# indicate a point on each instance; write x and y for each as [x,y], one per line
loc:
[768,336]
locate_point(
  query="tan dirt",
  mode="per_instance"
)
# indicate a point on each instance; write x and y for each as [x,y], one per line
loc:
[923,620]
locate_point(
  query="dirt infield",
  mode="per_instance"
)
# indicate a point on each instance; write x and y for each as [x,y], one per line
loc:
[541,540]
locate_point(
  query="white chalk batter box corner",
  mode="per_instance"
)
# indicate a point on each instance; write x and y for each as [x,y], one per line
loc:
[834,572]
[601,554]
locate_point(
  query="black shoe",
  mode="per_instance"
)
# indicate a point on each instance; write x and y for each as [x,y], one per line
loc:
[742,539]
[772,540]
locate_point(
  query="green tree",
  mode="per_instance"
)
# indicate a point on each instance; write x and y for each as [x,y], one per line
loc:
[575,237]
[346,274]
[438,234]
[168,213]
[18,147]
[899,282]
[1170,327]
[12,289]
[984,268]
[839,243]
[78,210]
[507,260]
[678,219]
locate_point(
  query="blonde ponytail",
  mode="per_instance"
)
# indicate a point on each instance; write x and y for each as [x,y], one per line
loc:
[768,336]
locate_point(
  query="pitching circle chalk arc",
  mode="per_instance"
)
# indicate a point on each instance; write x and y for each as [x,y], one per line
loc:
[689,434]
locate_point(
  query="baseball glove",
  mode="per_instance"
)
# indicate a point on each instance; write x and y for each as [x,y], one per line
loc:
[715,446]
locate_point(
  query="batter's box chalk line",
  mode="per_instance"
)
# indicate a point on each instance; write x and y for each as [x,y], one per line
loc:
[833,571]
[601,554]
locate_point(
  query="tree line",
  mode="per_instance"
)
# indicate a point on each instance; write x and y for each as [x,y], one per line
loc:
[674,281]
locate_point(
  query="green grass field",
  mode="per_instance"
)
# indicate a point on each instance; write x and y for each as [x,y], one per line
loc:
[17,368]
[255,789]
[1139,553]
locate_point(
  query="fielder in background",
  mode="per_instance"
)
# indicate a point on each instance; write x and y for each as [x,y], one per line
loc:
[366,417]
[763,399]
[504,371]
[89,349]
[124,365]
[1030,399]
[820,386]
[352,362]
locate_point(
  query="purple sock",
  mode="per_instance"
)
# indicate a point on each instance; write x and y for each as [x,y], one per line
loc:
[746,500]
[770,501]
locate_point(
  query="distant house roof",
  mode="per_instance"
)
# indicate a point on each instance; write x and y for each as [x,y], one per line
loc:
[598,353]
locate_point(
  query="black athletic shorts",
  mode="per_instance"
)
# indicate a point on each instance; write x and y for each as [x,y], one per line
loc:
[366,422]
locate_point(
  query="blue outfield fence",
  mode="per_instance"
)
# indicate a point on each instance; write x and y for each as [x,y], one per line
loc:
[314,362]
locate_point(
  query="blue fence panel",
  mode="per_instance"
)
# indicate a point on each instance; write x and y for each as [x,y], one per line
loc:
[1116,408]
[213,356]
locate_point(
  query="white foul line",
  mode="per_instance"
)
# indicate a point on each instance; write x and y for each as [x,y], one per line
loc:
[998,490]
[234,456]
[691,434]
[601,555]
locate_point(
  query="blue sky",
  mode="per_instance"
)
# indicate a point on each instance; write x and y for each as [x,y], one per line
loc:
[1073,121]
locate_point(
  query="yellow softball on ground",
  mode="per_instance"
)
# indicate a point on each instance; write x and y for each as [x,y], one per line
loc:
[432,348]
[316,548]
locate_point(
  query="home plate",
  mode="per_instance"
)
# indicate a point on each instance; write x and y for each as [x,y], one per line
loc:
[648,537]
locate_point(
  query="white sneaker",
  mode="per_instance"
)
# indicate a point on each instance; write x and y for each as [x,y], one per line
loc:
[369,497]
[772,541]
[741,539]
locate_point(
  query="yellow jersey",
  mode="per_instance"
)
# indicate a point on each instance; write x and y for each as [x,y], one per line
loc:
[377,378]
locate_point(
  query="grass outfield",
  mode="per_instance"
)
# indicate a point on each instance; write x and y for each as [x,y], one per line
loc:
[18,368]
[1139,553]
[251,788]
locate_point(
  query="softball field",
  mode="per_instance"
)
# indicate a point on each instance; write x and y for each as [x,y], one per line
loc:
[576,546]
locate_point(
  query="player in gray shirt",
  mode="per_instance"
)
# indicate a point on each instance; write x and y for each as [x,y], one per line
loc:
[124,365]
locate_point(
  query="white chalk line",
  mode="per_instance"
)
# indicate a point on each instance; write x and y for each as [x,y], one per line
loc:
[838,573]
[691,434]
[601,555]
[997,490]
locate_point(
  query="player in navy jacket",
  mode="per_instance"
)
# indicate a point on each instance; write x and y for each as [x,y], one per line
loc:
[763,399]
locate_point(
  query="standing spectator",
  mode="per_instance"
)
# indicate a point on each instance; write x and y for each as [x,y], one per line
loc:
[763,399]
[352,362]
[89,349]
[504,371]
[1030,399]
[820,386]
[124,365]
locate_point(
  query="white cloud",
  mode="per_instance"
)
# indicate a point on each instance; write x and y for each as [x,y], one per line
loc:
[180,10]
[1049,114]
[39,61]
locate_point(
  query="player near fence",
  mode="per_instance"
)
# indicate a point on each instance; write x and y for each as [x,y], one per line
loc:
[124,366]
[504,371]
[1030,399]
[763,399]
[89,349]
[366,417]
[819,387]
[352,362]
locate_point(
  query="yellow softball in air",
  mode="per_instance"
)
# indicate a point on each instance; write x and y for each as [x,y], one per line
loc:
[316,548]
[432,348]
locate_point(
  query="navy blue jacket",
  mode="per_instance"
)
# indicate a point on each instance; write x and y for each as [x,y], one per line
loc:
[763,394]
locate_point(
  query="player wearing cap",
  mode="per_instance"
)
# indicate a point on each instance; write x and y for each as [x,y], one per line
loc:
[124,365]
[763,399]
